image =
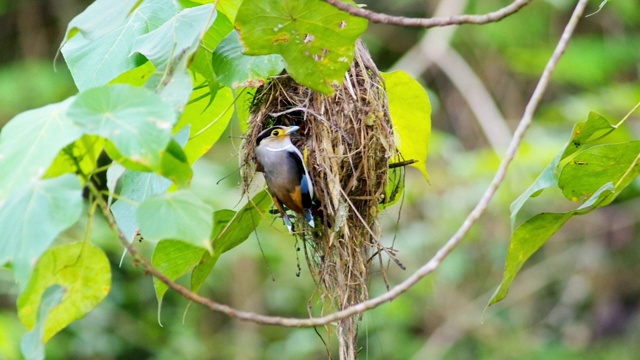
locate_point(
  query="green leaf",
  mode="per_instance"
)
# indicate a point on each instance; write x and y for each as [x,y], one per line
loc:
[98,47]
[230,230]
[79,157]
[410,111]
[175,165]
[137,76]
[184,30]
[174,259]
[177,35]
[535,232]
[228,7]
[30,142]
[525,241]
[32,344]
[208,120]
[180,215]
[395,187]
[584,134]
[236,70]
[546,179]
[316,40]
[590,169]
[82,269]
[135,188]
[33,216]
[136,120]
[202,59]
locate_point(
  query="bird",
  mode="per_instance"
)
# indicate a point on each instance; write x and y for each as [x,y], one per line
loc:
[285,172]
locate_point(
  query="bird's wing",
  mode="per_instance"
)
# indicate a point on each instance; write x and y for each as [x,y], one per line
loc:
[306,187]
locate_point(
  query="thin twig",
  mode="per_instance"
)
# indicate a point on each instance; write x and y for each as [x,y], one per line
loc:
[430,22]
[423,271]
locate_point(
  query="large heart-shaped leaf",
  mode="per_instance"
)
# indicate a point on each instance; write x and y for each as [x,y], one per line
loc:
[134,119]
[31,141]
[316,40]
[135,188]
[231,228]
[170,47]
[234,69]
[179,215]
[33,216]
[82,269]
[32,343]
[98,47]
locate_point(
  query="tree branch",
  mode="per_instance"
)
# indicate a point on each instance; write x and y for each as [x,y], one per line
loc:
[422,272]
[430,22]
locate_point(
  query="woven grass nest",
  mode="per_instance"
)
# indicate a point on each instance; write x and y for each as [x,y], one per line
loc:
[347,139]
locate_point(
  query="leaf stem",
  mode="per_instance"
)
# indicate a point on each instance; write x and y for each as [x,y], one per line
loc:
[624,119]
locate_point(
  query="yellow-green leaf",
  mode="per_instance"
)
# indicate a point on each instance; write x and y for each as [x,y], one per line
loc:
[82,269]
[411,117]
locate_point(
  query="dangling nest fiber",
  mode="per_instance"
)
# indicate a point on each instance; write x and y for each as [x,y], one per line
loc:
[348,141]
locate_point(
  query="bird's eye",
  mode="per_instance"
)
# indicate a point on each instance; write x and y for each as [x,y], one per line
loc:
[275,133]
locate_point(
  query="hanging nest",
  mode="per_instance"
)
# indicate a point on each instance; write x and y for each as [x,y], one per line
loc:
[347,140]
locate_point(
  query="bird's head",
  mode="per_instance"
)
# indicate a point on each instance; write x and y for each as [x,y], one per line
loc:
[276,137]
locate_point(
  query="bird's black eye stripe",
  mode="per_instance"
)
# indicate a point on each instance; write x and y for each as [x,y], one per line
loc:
[273,131]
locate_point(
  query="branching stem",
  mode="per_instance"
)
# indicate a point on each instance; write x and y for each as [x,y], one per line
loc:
[423,271]
[430,22]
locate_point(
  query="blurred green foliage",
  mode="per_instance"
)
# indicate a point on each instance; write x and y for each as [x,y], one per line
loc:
[578,298]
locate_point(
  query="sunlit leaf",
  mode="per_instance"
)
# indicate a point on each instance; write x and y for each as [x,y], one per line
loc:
[174,258]
[137,76]
[208,120]
[135,188]
[134,119]
[170,47]
[584,133]
[596,174]
[30,142]
[82,269]
[316,40]
[32,344]
[234,69]
[591,168]
[525,241]
[535,232]
[181,33]
[202,59]
[79,157]
[175,165]
[546,179]
[179,215]
[230,230]
[228,7]
[33,216]
[232,233]
[98,47]
[411,117]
